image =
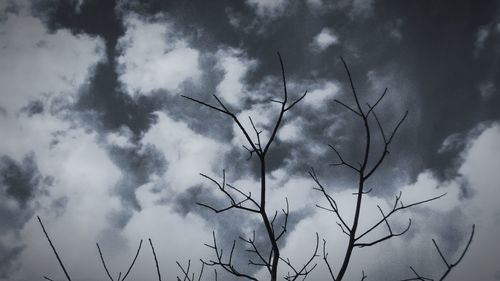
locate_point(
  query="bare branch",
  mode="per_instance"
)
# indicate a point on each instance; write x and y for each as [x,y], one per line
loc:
[330,200]
[397,127]
[342,162]
[205,104]
[286,212]
[282,110]
[233,201]
[395,209]
[325,258]
[352,87]
[226,265]
[257,133]
[348,107]
[231,114]
[54,250]
[133,261]
[450,266]
[376,103]
[386,143]
[363,275]
[296,101]
[103,263]
[390,235]
[156,260]
[188,276]
[303,271]
[256,251]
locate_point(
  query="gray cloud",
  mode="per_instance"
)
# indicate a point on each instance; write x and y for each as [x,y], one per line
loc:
[100,142]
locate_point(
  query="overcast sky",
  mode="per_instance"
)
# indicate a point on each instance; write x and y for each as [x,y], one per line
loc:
[98,142]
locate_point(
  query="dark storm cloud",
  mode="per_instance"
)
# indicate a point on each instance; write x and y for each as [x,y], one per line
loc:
[138,166]
[426,36]
[8,257]
[20,180]
[439,60]
[35,107]
[103,98]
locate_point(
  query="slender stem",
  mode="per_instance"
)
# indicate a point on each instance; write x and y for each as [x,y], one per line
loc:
[54,250]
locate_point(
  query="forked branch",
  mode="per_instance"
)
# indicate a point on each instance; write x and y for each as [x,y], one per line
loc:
[365,168]
[130,266]
[449,265]
[245,202]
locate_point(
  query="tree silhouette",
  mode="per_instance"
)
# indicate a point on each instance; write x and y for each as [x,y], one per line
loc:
[275,226]
[363,171]
[267,258]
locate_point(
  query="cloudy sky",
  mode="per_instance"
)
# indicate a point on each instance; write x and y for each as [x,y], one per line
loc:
[98,142]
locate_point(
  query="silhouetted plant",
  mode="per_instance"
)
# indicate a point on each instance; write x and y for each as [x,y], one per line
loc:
[267,258]
[270,257]
[363,172]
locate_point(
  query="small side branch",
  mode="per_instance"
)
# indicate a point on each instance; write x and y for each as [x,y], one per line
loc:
[191,276]
[156,259]
[305,269]
[363,275]
[228,264]
[450,266]
[103,262]
[234,202]
[133,261]
[286,212]
[398,206]
[342,161]
[333,204]
[390,235]
[253,249]
[325,258]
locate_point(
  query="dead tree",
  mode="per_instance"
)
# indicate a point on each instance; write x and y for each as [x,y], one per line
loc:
[363,171]
[267,258]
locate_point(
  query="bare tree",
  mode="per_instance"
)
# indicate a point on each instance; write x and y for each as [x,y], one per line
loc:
[275,226]
[267,258]
[363,171]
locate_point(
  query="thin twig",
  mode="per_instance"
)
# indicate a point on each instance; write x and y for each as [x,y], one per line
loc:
[156,260]
[54,250]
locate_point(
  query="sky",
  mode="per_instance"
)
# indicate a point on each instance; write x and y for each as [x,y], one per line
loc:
[98,142]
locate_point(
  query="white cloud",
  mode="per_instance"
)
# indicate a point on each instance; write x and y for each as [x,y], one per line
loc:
[235,66]
[487,89]
[321,93]
[315,4]
[50,67]
[324,39]
[482,35]
[450,216]
[355,9]
[155,57]
[268,8]
[362,8]
[86,188]
[187,152]
[292,131]
[120,138]
[35,62]
[263,116]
